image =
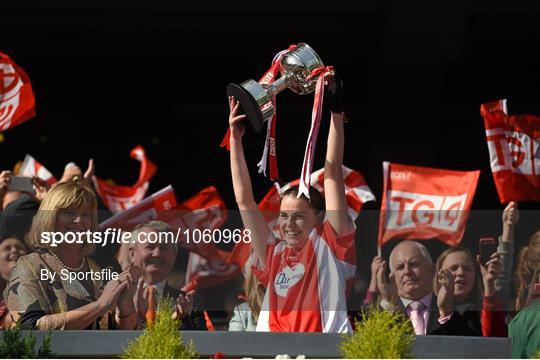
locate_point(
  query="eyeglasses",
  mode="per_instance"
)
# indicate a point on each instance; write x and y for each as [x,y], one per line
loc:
[71,215]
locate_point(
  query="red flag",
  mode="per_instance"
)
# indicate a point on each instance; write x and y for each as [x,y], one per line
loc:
[154,207]
[207,272]
[197,219]
[203,211]
[120,197]
[424,203]
[226,141]
[357,191]
[514,151]
[192,222]
[17,103]
[31,167]
[269,206]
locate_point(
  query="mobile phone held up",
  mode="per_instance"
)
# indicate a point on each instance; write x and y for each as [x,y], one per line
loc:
[487,246]
[21,183]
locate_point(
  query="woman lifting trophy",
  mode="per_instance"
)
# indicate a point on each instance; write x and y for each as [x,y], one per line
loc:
[306,266]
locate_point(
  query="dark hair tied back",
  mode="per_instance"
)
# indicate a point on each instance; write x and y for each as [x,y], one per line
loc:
[316,200]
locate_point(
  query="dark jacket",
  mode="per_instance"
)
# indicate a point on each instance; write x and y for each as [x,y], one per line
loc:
[193,321]
[16,218]
[465,320]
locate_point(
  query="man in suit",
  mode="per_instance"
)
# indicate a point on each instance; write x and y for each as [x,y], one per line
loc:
[409,289]
[155,254]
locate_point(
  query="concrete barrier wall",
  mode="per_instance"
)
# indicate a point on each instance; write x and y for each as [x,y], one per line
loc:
[100,344]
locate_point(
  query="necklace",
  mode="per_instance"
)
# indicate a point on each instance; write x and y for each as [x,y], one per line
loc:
[83,262]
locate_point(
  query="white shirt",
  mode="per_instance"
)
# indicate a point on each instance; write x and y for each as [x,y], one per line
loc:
[160,287]
[426,301]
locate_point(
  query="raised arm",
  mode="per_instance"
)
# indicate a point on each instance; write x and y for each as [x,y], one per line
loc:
[506,248]
[5,178]
[334,187]
[251,215]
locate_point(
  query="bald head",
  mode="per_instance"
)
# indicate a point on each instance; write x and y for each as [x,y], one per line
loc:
[410,246]
[413,270]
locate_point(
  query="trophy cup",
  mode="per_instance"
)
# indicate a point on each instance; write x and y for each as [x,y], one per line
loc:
[295,67]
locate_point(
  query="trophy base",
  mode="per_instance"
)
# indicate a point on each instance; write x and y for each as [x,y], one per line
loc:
[249,105]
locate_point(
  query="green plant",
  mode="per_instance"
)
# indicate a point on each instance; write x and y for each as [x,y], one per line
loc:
[536,355]
[13,345]
[379,335]
[162,340]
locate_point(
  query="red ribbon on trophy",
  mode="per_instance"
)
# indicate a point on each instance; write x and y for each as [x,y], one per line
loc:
[307,166]
[269,150]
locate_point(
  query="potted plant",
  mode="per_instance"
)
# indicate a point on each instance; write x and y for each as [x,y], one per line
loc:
[161,340]
[380,334]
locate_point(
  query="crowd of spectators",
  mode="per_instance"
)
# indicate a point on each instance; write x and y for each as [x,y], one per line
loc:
[297,281]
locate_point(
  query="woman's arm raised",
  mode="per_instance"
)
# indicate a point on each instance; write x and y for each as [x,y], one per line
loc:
[249,211]
[334,187]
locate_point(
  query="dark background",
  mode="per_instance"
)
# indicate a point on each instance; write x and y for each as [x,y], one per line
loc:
[109,75]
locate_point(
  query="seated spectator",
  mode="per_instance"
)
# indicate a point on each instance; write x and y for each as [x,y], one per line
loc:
[524,330]
[246,314]
[408,289]
[478,305]
[58,303]
[156,260]
[11,249]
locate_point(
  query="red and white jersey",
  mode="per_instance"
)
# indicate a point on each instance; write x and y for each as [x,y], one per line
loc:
[306,289]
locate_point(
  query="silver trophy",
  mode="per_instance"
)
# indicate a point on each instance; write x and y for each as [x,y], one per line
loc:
[295,68]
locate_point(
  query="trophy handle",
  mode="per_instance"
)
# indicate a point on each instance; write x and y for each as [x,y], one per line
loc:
[254,102]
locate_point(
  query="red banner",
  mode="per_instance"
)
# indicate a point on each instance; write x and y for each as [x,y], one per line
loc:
[203,211]
[121,197]
[514,152]
[357,191]
[207,265]
[154,207]
[423,203]
[207,272]
[31,167]
[17,102]
[269,206]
